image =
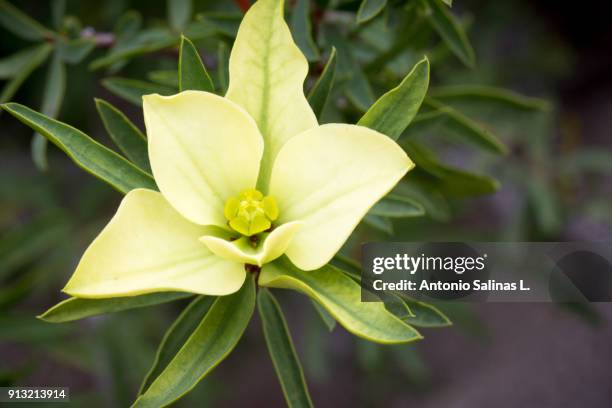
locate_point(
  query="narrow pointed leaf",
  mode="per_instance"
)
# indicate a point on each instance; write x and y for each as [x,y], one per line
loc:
[449,3]
[301,28]
[145,41]
[327,319]
[396,305]
[75,51]
[280,346]
[424,314]
[166,77]
[426,193]
[179,13]
[75,308]
[192,73]
[38,56]
[370,9]
[450,30]
[488,94]
[53,95]
[13,64]
[125,134]
[341,297]
[319,94]
[20,24]
[132,90]
[177,335]
[464,127]
[88,154]
[394,111]
[379,223]
[396,206]
[452,181]
[213,339]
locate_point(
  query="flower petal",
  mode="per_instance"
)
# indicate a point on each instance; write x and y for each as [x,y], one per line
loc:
[149,247]
[267,72]
[274,245]
[203,149]
[329,177]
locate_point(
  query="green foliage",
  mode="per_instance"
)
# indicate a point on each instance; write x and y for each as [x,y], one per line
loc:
[370,9]
[76,308]
[337,293]
[84,151]
[393,112]
[281,349]
[176,336]
[373,45]
[212,340]
[320,91]
[125,134]
[192,73]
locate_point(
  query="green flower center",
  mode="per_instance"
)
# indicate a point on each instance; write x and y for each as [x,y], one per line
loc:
[250,213]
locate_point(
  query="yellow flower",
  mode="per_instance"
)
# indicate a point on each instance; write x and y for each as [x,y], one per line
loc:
[243,179]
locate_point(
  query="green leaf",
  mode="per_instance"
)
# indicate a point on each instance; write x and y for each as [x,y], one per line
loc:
[75,308]
[379,223]
[144,42]
[177,335]
[125,134]
[327,319]
[450,30]
[464,127]
[74,51]
[53,95]
[396,206]
[488,94]
[88,154]
[20,24]
[223,67]
[192,73]
[213,339]
[179,13]
[341,297]
[319,94]
[427,194]
[280,346]
[425,314]
[449,3]
[132,90]
[38,56]
[167,77]
[394,111]
[302,30]
[454,182]
[370,9]
[13,64]
[396,305]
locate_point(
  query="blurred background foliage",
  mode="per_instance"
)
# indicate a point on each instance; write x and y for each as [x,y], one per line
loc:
[511,144]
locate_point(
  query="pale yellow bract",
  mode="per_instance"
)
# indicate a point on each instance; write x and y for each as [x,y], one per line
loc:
[205,149]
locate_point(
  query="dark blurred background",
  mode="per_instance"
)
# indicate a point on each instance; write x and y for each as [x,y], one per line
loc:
[556,186]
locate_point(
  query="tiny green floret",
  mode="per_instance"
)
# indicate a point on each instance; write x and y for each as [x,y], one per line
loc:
[250,213]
